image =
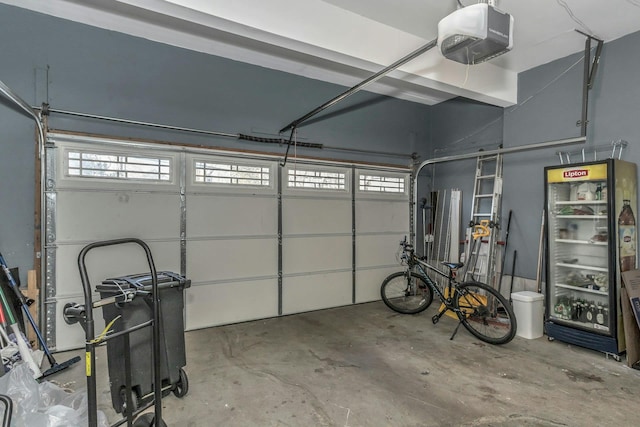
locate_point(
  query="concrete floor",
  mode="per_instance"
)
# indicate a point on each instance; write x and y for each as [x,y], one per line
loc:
[368,366]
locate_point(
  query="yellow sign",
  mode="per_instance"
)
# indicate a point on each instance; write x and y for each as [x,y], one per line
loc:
[578,173]
[88,363]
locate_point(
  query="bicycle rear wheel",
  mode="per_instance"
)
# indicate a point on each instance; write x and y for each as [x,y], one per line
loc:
[406,293]
[485,313]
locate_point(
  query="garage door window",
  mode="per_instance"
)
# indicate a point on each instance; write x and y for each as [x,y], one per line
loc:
[117,166]
[226,174]
[381,184]
[317,179]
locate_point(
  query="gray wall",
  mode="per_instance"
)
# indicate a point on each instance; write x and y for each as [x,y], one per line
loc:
[549,106]
[459,126]
[552,113]
[85,69]
[548,109]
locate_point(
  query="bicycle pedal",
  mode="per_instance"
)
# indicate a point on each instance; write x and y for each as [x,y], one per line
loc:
[435,319]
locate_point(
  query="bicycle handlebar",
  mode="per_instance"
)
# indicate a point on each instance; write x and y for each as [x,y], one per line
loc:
[406,246]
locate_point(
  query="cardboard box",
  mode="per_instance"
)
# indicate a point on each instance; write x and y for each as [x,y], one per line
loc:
[630,302]
[631,332]
[631,281]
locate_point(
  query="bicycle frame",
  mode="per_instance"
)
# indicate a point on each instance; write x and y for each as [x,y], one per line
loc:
[414,261]
[434,286]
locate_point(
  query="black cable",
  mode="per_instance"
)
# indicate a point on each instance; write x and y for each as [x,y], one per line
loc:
[286,154]
[575,19]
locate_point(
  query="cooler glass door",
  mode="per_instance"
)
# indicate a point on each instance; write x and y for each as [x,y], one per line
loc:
[580,247]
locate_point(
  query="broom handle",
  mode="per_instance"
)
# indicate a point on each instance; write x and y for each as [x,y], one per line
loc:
[22,345]
[25,308]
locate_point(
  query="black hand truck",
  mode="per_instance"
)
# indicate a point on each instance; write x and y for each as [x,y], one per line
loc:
[74,313]
[8,410]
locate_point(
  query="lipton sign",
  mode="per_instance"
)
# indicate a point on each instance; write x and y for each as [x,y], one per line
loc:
[575,173]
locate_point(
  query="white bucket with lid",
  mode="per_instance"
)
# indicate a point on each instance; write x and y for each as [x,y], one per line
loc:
[529,310]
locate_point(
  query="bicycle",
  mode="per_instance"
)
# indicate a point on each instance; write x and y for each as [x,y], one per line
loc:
[483,311]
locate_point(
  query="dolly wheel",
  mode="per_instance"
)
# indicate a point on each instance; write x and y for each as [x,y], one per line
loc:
[148,420]
[123,399]
[181,388]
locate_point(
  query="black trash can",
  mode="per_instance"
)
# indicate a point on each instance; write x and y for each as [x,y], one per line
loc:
[135,309]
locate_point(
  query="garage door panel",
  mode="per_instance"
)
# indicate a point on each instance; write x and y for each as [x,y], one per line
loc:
[316,291]
[223,303]
[224,215]
[389,216]
[377,250]
[311,254]
[96,215]
[309,216]
[225,259]
[111,261]
[368,283]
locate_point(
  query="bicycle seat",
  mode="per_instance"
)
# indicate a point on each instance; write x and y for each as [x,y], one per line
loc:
[453,265]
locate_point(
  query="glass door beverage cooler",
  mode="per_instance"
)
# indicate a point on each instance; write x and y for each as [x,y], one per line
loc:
[591,232]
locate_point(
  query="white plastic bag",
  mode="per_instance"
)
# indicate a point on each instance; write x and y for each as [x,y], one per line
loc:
[44,404]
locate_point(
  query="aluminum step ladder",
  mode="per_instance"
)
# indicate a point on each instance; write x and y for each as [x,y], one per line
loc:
[481,252]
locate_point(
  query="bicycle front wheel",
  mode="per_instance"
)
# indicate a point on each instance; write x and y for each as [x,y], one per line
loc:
[406,293]
[485,313]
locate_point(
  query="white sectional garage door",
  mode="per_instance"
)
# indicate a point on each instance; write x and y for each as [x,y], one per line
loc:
[232,240]
[256,239]
[98,192]
[316,230]
[382,221]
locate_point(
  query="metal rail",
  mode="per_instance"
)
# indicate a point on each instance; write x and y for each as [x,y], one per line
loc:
[362,84]
[141,123]
[217,133]
[8,93]
[37,117]
[475,154]
[11,96]
[589,75]
[528,147]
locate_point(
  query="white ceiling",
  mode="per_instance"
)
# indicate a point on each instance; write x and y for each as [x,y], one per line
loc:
[345,41]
